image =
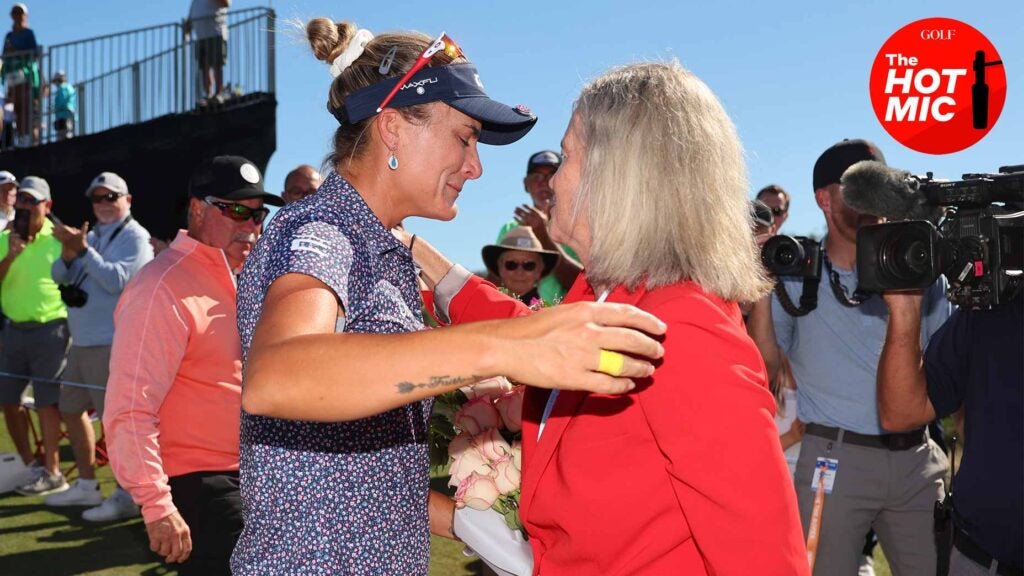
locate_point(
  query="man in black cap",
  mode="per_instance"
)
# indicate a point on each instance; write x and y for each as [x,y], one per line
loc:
[174,396]
[539,170]
[873,479]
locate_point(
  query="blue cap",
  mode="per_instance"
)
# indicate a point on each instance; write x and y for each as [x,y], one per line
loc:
[457,85]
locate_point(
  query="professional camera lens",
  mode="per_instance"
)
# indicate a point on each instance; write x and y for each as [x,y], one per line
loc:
[906,257]
[783,255]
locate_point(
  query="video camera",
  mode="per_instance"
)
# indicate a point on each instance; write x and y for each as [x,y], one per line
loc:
[977,244]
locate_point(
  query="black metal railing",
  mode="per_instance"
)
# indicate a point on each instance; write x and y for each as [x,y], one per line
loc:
[138,75]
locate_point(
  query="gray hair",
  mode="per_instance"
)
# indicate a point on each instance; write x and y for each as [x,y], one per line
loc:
[664,184]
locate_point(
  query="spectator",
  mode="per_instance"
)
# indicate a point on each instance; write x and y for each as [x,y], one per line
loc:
[7,135]
[777,200]
[889,482]
[36,336]
[539,170]
[174,395]
[300,182]
[97,264]
[520,262]
[8,196]
[21,72]
[207,24]
[65,102]
[972,363]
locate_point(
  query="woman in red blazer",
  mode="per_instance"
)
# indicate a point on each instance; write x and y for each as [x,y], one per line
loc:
[685,474]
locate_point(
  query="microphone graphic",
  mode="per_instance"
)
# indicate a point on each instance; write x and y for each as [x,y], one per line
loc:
[979,91]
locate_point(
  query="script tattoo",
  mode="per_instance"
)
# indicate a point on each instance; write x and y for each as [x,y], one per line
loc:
[437,381]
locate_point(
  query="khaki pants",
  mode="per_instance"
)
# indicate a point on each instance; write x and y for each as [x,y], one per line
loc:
[86,365]
[893,492]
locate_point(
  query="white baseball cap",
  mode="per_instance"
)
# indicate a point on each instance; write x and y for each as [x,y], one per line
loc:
[7,178]
[110,181]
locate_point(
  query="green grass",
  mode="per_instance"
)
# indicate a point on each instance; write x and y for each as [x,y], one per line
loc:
[36,540]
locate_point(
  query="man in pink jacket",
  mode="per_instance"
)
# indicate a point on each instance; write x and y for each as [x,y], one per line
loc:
[174,396]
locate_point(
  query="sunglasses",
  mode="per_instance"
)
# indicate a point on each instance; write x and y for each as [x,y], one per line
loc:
[110,197]
[513,265]
[28,199]
[443,43]
[238,212]
[778,211]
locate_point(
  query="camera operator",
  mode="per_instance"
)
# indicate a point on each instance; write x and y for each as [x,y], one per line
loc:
[974,362]
[886,482]
[93,269]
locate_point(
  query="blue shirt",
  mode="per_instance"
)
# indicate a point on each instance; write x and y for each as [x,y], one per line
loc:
[834,351]
[976,361]
[346,497]
[18,41]
[104,271]
[65,101]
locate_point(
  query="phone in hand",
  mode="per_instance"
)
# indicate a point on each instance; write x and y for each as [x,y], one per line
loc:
[21,223]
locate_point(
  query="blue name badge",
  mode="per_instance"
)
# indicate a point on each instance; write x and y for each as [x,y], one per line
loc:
[829,466]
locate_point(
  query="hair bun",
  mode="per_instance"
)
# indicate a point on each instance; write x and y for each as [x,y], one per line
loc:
[329,39]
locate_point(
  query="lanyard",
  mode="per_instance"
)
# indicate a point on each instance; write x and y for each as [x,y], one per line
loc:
[554,393]
[78,283]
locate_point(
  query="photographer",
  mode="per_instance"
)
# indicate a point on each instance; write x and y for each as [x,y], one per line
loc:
[888,482]
[93,269]
[974,362]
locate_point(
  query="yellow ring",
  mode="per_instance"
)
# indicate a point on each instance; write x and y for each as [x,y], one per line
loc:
[611,363]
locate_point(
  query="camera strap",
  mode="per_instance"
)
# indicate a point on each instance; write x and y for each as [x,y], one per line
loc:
[859,296]
[84,274]
[808,297]
[808,294]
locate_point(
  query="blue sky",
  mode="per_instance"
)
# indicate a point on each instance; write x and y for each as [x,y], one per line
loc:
[793,76]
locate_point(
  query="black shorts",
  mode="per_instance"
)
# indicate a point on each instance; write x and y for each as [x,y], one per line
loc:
[211,52]
[211,505]
[64,125]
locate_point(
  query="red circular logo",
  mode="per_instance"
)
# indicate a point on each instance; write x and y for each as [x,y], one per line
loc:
[938,85]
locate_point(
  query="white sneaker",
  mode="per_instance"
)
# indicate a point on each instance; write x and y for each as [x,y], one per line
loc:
[44,485]
[77,495]
[34,472]
[118,506]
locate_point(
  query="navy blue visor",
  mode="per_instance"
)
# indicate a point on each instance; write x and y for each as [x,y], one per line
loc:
[457,85]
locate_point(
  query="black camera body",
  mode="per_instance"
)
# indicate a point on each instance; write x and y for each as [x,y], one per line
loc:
[797,256]
[978,246]
[72,295]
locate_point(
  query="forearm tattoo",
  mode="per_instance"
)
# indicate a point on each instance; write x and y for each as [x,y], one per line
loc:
[437,382]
